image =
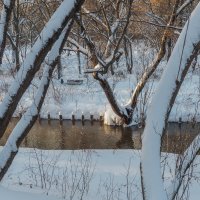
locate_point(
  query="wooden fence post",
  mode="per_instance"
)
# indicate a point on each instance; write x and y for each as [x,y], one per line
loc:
[49,118]
[60,118]
[83,119]
[73,118]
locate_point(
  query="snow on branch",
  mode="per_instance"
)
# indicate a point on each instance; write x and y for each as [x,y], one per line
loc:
[78,46]
[97,68]
[23,126]
[184,52]
[28,119]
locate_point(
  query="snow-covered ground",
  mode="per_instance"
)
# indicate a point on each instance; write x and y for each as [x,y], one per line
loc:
[94,174]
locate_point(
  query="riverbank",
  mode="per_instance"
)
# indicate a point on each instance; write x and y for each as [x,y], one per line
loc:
[50,175]
[88,98]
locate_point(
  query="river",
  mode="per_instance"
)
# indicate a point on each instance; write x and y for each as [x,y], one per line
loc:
[99,136]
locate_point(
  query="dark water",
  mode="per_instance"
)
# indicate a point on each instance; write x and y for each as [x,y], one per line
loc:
[99,136]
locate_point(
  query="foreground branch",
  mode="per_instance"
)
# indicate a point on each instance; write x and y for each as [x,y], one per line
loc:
[33,61]
[28,119]
[185,50]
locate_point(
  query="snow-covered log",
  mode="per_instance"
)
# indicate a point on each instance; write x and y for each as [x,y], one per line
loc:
[182,56]
[31,64]
[5,18]
[28,119]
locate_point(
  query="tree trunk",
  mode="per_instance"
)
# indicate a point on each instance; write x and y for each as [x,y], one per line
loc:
[184,52]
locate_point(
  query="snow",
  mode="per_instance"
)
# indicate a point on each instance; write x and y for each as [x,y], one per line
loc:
[110,118]
[106,164]
[153,183]
[110,169]
[11,144]
[89,97]
[11,195]
[188,157]
[7,2]
[110,166]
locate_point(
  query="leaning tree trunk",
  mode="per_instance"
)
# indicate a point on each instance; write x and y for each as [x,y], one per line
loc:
[31,64]
[28,119]
[153,66]
[186,49]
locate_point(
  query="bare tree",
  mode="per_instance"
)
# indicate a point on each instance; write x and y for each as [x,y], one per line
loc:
[100,62]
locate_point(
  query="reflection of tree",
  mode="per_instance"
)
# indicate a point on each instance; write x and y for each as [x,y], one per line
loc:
[84,143]
[62,138]
[126,141]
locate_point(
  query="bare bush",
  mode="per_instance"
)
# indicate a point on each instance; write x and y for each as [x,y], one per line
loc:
[72,177]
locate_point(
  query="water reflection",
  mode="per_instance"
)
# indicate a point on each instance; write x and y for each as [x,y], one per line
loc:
[87,135]
[126,141]
[178,137]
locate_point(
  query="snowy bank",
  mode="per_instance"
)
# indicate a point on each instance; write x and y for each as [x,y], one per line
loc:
[113,173]
[88,97]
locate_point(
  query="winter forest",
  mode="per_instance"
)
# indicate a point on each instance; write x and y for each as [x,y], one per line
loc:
[99,99]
